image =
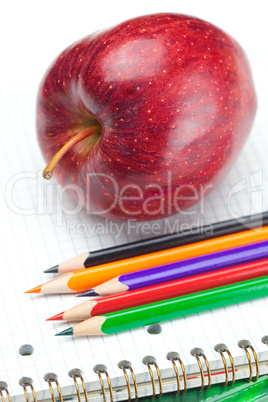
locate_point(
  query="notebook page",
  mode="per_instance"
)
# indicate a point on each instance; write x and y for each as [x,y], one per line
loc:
[39,230]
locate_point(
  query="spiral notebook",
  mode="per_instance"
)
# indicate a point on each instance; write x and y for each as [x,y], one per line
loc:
[40,228]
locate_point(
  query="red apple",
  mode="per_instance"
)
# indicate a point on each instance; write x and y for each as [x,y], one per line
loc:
[152,112]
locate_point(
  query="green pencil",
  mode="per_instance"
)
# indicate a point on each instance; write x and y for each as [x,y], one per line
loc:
[170,309]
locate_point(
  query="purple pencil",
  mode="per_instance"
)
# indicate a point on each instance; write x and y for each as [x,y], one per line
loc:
[181,269]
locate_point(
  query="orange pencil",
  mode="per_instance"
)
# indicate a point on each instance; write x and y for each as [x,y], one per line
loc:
[82,280]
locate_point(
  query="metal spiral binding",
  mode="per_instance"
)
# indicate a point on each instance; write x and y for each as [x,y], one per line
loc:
[101,369]
[173,356]
[74,374]
[198,352]
[3,387]
[151,361]
[221,348]
[27,382]
[124,365]
[148,361]
[245,344]
[49,378]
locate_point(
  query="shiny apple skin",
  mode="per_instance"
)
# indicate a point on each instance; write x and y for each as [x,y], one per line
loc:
[175,99]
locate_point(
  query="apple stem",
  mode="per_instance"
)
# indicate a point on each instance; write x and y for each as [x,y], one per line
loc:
[48,171]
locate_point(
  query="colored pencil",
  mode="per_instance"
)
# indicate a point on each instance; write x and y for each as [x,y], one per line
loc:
[159,243]
[170,309]
[80,281]
[182,269]
[164,291]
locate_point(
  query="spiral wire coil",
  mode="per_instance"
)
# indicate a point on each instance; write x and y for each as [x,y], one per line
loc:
[74,374]
[149,361]
[174,356]
[49,378]
[124,365]
[198,352]
[101,369]
[221,349]
[244,344]
[27,382]
[3,387]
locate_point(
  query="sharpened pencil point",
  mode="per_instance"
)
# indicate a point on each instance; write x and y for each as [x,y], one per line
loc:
[56,317]
[34,290]
[90,292]
[68,331]
[52,270]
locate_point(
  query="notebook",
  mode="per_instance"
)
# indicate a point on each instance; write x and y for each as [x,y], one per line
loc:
[40,228]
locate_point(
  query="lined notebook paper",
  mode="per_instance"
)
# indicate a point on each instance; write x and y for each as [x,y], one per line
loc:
[38,230]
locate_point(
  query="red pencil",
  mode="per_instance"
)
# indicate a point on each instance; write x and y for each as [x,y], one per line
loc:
[164,291]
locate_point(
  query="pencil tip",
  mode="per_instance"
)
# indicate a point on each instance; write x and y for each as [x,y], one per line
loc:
[37,289]
[56,317]
[90,292]
[68,331]
[52,270]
